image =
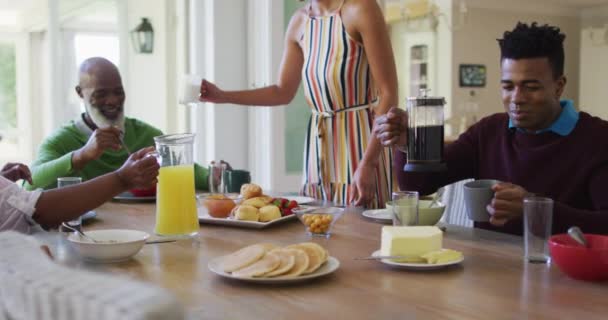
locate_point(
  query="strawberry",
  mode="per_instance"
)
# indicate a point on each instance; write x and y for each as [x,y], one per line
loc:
[292,204]
[284,202]
[277,202]
[286,212]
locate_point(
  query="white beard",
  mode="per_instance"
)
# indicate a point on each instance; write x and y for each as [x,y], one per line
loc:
[102,122]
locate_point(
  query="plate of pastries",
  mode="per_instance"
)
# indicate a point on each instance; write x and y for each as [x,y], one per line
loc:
[250,209]
[270,263]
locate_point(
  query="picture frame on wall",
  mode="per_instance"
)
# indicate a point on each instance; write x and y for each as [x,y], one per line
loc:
[472,75]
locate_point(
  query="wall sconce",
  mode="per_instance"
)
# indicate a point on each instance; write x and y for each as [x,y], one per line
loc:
[142,37]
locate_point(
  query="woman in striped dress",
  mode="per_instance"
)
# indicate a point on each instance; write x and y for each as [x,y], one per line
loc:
[341,51]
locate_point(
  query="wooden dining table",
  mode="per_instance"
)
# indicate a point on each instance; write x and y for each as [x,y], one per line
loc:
[493,281]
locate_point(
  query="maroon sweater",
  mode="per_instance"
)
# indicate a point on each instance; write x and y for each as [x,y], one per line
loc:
[572,170]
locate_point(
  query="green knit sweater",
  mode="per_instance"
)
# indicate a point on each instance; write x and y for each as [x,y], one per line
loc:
[55,155]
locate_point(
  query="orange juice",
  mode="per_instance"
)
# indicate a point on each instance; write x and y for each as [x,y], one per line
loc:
[175,201]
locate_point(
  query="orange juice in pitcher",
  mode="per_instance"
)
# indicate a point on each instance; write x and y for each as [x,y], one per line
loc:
[175,198]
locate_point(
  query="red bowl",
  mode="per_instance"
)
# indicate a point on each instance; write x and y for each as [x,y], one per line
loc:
[144,192]
[578,262]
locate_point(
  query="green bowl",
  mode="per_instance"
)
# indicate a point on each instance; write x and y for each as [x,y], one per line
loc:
[426,216]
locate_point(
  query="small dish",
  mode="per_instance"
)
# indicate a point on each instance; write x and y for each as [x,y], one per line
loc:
[114,245]
[319,221]
[331,265]
[218,205]
[427,216]
[381,215]
[417,266]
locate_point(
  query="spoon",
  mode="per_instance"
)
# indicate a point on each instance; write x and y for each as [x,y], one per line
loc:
[437,196]
[80,233]
[159,241]
[578,236]
[122,140]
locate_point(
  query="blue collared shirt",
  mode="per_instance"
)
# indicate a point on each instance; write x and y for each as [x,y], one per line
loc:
[565,123]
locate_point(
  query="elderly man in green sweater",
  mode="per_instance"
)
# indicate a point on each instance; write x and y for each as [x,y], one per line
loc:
[90,145]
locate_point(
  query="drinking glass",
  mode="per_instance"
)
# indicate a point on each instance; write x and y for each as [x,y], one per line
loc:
[64,182]
[175,199]
[538,217]
[405,208]
[217,179]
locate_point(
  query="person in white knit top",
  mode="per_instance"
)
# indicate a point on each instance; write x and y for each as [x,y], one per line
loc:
[20,210]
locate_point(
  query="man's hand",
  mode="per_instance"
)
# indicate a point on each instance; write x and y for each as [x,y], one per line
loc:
[140,170]
[101,140]
[363,188]
[16,171]
[507,203]
[391,128]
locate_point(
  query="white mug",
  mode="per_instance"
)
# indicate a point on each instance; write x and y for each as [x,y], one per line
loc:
[189,89]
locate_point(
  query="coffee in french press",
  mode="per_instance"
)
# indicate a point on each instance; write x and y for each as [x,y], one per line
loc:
[425,134]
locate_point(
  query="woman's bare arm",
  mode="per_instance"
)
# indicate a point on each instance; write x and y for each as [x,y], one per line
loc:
[277,94]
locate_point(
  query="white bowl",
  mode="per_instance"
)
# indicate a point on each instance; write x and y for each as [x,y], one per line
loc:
[116,244]
[427,216]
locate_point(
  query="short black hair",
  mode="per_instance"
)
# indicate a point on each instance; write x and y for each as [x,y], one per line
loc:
[534,41]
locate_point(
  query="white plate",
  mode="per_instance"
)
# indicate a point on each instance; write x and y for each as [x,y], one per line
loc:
[298,199]
[416,266]
[383,215]
[204,217]
[331,265]
[128,196]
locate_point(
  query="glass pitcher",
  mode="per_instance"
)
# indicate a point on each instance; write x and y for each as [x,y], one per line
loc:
[175,198]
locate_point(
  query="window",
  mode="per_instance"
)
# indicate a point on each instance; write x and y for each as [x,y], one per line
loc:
[87,45]
[9,143]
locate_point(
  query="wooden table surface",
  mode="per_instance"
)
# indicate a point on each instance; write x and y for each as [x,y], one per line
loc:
[493,282]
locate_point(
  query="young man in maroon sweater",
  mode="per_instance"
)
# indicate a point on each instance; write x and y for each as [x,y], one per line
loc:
[539,145]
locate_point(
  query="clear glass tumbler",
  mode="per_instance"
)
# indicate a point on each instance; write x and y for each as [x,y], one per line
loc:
[68,181]
[217,179]
[175,200]
[538,218]
[405,208]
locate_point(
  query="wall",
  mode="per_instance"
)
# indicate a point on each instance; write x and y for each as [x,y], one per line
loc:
[296,114]
[150,77]
[219,54]
[593,71]
[476,43]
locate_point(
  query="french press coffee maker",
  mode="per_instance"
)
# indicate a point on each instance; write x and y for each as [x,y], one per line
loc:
[425,134]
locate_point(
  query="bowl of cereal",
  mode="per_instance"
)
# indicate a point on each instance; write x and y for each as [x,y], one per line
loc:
[319,221]
[110,245]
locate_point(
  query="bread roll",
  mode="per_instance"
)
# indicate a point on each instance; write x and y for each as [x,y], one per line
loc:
[250,190]
[269,213]
[248,213]
[257,202]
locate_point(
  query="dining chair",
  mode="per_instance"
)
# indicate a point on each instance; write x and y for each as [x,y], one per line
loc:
[455,210]
[35,287]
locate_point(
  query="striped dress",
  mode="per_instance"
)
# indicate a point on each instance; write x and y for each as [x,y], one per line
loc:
[339,88]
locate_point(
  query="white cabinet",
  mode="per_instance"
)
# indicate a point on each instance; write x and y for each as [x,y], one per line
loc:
[419,67]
